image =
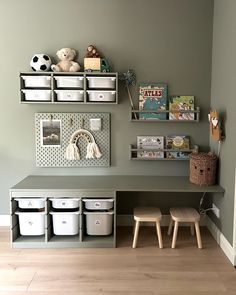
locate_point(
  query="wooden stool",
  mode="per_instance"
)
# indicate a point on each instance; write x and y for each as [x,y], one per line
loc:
[185,215]
[147,214]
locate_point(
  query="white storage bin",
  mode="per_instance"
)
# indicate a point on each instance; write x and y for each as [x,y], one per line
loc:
[37,81]
[31,223]
[70,95]
[37,95]
[99,223]
[68,203]
[102,82]
[98,204]
[26,203]
[101,95]
[65,223]
[71,81]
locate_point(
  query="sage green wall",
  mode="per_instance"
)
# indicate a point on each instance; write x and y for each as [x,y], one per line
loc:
[162,40]
[223,99]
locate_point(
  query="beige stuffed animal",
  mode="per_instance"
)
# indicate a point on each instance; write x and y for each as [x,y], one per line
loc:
[66,63]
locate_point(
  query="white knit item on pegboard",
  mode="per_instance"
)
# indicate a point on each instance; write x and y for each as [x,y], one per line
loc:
[72,152]
[93,151]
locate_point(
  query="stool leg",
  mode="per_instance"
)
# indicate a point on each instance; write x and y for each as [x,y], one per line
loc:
[170,226]
[192,229]
[175,234]
[198,234]
[159,234]
[136,234]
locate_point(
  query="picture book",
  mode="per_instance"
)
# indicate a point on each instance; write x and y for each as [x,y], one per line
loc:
[182,103]
[148,144]
[178,143]
[152,97]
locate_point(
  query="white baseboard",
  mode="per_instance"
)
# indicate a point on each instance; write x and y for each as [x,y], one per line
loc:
[221,240]
[4,220]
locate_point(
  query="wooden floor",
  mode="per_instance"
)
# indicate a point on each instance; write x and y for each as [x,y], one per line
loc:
[147,269]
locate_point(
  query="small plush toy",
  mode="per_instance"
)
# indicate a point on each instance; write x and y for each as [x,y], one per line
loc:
[92,52]
[66,63]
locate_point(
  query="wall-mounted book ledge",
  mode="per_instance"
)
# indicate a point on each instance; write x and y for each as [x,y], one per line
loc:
[160,154]
[136,116]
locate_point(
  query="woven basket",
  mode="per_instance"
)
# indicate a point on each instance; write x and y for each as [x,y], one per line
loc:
[203,168]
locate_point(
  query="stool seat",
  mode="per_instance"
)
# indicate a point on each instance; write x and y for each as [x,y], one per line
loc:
[184,214]
[147,214]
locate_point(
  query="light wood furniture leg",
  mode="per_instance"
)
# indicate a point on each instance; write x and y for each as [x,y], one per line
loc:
[159,234]
[192,229]
[175,234]
[170,226]
[136,234]
[198,234]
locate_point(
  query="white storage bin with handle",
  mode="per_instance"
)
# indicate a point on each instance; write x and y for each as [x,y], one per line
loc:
[31,223]
[37,95]
[32,203]
[99,223]
[70,81]
[70,95]
[98,204]
[65,223]
[37,81]
[102,82]
[67,203]
[102,95]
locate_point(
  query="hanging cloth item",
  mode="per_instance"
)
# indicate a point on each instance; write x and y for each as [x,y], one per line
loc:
[72,150]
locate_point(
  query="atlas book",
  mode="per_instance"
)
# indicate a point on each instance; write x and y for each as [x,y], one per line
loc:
[180,143]
[181,103]
[152,97]
[150,146]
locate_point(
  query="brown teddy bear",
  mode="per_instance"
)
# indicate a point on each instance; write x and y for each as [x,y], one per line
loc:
[66,63]
[92,52]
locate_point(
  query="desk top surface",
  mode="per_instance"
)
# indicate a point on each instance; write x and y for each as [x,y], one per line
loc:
[113,183]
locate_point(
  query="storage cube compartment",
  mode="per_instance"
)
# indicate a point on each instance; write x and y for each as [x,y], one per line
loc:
[65,223]
[102,82]
[36,95]
[31,223]
[70,95]
[37,81]
[100,96]
[69,82]
[99,223]
[31,203]
[98,204]
[68,203]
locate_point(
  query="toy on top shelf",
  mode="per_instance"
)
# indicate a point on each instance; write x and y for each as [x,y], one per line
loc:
[66,63]
[93,61]
[40,62]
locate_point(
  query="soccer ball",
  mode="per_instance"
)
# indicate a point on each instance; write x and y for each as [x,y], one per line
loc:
[40,62]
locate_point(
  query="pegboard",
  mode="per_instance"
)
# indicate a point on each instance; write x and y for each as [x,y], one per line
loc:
[54,156]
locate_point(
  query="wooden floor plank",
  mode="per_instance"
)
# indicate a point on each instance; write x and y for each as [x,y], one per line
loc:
[146,270]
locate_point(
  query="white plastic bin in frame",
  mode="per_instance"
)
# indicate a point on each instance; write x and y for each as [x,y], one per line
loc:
[31,223]
[98,204]
[70,95]
[70,82]
[99,223]
[37,81]
[34,203]
[102,82]
[65,223]
[37,95]
[101,96]
[68,203]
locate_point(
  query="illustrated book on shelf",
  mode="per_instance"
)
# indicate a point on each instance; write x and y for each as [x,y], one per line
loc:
[152,97]
[181,103]
[150,145]
[178,143]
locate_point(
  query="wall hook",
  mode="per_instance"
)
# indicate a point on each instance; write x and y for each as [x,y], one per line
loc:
[71,122]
